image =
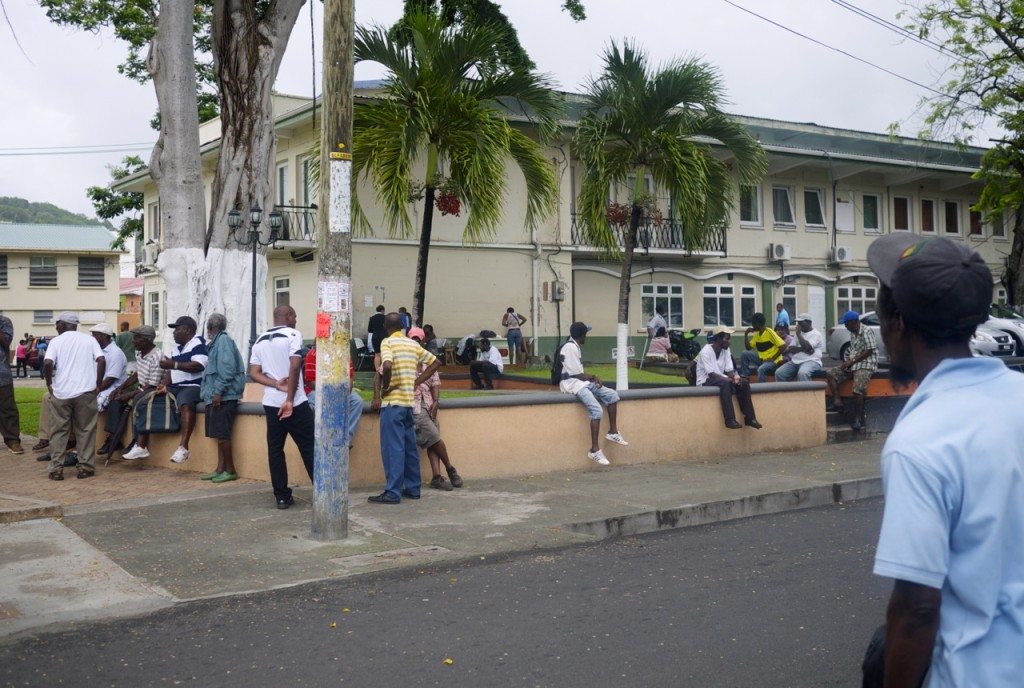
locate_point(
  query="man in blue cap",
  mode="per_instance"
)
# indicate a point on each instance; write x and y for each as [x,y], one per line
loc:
[860,364]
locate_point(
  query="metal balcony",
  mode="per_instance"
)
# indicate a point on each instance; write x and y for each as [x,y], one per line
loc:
[298,226]
[665,236]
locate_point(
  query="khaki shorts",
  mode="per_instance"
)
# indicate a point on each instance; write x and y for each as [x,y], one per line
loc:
[861,378]
[427,433]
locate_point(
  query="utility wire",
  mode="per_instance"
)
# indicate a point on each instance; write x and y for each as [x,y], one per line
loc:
[838,50]
[93,151]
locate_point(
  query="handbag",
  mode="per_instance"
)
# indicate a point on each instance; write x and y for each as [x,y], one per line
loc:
[157,413]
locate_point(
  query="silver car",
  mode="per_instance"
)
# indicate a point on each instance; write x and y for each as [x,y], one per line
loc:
[1009,321]
[988,340]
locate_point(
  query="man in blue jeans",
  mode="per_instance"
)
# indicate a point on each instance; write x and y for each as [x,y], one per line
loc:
[393,389]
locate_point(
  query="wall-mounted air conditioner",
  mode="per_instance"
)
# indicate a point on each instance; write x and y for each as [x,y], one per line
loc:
[841,254]
[780,252]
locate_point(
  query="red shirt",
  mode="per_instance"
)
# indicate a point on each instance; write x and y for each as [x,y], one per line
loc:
[309,370]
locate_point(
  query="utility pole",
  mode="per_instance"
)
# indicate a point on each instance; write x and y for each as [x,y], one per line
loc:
[334,276]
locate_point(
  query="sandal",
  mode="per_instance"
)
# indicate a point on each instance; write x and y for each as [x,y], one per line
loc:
[83,474]
[209,476]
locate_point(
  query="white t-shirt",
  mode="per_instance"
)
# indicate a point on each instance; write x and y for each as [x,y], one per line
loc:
[117,368]
[194,351]
[74,357]
[492,355]
[708,362]
[817,343]
[572,364]
[273,352]
[657,321]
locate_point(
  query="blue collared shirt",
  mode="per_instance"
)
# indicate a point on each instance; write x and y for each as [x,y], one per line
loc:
[953,472]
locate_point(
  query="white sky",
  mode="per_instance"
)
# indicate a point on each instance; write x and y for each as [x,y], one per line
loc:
[68,91]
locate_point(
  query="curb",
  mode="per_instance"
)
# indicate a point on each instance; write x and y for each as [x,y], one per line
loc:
[729,509]
[14,509]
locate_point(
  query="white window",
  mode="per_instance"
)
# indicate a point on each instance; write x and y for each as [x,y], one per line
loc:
[814,208]
[951,217]
[750,205]
[154,309]
[91,271]
[42,271]
[42,317]
[927,216]
[902,214]
[306,188]
[282,291]
[668,296]
[789,302]
[1001,296]
[748,305]
[153,221]
[870,207]
[782,206]
[976,228]
[860,299]
[997,225]
[282,184]
[719,306]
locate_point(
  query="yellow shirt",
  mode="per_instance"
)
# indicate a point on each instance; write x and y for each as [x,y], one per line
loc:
[768,345]
[405,356]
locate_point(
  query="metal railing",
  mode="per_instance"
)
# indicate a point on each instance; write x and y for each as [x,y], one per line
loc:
[298,222]
[667,234]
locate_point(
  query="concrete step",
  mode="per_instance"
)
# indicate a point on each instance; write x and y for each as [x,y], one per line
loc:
[844,433]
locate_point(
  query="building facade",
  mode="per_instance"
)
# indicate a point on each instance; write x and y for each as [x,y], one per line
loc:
[800,238]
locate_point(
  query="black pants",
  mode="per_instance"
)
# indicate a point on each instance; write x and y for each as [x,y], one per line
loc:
[726,390]
[485,368]
[21,370]
[300,426]
[10,421]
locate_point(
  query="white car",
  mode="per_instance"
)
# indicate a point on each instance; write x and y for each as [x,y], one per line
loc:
[988,340]
[1009,321]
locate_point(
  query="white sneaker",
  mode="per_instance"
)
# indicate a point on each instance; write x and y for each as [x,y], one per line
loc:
[136,452]
[616,438]
[180,455]
[599,458]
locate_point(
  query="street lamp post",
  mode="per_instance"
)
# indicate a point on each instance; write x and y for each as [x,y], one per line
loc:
[251,238]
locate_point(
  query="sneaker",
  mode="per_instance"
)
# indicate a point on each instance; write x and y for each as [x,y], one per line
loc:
[180,455]
[136,452]
[454,476]
[382,498]
[15,447]
[439,483]
[599,458]
[616,438]
[84,473]
[285,502]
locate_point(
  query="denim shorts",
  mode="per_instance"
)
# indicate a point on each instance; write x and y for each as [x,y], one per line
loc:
[593,395]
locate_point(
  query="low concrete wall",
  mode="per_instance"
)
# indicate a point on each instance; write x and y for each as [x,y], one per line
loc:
[515,435]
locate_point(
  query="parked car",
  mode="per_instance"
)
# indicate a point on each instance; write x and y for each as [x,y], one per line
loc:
[989,339]
[1009,321]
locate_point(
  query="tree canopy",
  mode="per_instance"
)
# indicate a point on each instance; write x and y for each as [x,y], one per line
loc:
[127,205]
[13,209]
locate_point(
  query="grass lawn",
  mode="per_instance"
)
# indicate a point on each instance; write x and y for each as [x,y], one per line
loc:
[367,394]
[607,374]
[29,400]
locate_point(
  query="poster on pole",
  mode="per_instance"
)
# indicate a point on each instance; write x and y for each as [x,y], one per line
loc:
[339,217]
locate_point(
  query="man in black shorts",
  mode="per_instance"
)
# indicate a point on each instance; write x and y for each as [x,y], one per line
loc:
[221,389]
[184,373]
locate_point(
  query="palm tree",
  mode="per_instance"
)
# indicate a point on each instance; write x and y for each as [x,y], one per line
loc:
[665,123]
[446,99]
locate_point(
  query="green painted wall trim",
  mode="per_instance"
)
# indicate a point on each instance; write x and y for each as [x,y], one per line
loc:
[768,302]
[830,306]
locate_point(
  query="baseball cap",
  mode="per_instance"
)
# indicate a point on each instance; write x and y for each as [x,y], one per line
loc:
[102,328]
[715,331]
[939,285]
[804,317]
[417,332]
[67,317]
[184,320]
[578,329]
[848,316]
[145,331]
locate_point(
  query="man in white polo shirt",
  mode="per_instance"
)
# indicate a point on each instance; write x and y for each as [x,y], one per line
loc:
[805,352]
[117,364]
[184,376]
[74,369]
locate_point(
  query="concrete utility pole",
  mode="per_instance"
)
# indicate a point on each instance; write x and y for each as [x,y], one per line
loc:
[334,276]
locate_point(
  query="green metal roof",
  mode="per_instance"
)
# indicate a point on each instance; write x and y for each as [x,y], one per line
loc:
[20,236]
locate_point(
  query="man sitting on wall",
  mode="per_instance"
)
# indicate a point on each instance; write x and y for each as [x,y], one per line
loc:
[489,366]
[715,369]
[184,377]
[805,353]
[763,349]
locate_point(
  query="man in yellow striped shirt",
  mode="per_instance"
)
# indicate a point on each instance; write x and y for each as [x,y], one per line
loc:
[393,389]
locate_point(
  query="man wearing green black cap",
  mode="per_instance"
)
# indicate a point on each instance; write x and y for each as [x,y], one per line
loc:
[860,365]
[953,475]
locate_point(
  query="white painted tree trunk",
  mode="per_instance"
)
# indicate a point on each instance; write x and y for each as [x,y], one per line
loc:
[175,165]
[229,291]
[622,361]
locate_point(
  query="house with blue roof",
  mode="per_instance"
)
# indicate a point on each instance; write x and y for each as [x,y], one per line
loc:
[46,269]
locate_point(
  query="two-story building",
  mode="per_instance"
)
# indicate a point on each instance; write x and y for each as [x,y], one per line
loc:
[799,238]
[46,269]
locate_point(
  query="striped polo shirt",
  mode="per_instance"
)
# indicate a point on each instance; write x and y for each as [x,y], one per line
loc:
[405,356]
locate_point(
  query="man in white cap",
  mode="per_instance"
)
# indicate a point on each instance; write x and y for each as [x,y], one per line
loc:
[805,353]
[117,363]
[74,369]
[715,369]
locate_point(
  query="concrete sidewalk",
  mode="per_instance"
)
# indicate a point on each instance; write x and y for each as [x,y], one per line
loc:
[113,558]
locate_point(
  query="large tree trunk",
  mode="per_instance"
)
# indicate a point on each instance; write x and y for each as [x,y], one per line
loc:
[622,330]
[175,164]
[1014,282]
[419,293]
[247,53]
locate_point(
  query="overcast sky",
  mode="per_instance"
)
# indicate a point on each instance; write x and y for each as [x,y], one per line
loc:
[67,92]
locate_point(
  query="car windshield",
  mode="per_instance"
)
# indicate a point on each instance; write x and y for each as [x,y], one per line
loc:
[1001,310]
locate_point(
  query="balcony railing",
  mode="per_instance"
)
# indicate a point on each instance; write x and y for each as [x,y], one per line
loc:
[298,223]
[651,236]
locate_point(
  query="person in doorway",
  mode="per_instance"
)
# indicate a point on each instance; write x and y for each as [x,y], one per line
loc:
[375,333]
[10,421]
[590,392]
[126,342]
[805,352]
[488,367]
[393,395]
[952,472]
[275,363]
[73,369]
[781,315]
[184,377]
[763,349]
[715,369]
[221,390]
[513,322]
[860,364]
[426,399]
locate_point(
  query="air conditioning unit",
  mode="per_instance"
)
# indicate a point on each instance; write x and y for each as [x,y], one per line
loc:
[150,252]
[780,252]
[841,254]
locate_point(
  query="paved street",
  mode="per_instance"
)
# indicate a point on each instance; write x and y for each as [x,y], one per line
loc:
[781,600]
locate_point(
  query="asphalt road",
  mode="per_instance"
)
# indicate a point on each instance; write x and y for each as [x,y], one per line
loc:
[786,600]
